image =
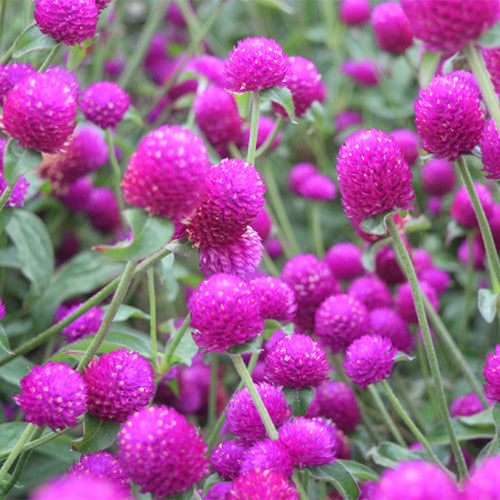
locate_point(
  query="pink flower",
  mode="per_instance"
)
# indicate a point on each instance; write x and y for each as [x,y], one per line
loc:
[392,29]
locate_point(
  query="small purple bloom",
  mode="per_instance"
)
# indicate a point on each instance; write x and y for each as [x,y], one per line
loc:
[492,375]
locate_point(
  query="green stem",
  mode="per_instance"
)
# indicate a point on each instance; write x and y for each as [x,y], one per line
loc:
[385,414]
[407,400]
[50,57]
[254,127]
[315,228]
[404,257]
[16,451]
[299,485]
[34,443]
[3,8]
[152,318]
[468,290]
[172,345]
[270,138]
[212,397]
[117,174]
[121,290]
[5,196]
[5,58]
[424,367]
[271,266]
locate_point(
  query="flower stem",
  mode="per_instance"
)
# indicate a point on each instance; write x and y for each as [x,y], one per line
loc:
[16,451]
[270,138]
[50,57]
[212,397]
[5,58]
[5,196]
[299,485]
[315,227]
[117,173]
[271,266]
[3,8]
[404,257]
[254,127]
[152,318]
[172,345]
[468,290]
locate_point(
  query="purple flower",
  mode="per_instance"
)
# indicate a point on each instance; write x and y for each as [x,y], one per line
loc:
[437,278]
[478,253]
[226,458]
[354,12]
[392,29]
[370,290]
[2,310]
[87,324]
[387,266]
[299,174]
[405,304]
[347,118]
[103,210]
[119,383]
[54,394]
[255,64]
[276,298]
[16,199]
[268,454]
[492,375]
[225,311]
[11,74]
[492,60]
[344,260]
[438,177]
[369,359]
[262,224]
[483,480]
[386,322]
[366,72]
[462,210]
[163,453]
[407,140]
[448,116]
[76,196]
[210,67]
[102,4]
[318,187]
[68,76]
[466,405]
[490,148]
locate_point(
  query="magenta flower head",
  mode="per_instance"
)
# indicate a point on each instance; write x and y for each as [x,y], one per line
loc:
[386,322]
[68,76]
[268,454]
[244,420]
[298,175]
[478,253]
[87,324]
[370,290]
[265,484]
[2,310]
[167,173]
[492,375]
[119,382]
[336,401]
[276,298]
[103,210]
[448,25]
[16,199]
[354,12]
[344,260]
[369,359]
[483,480]
[373,175]
[392,29]
[309,442]
[466,405]
[262,224]
[425,480]
[104,103]
[11,75]
[67,21]
[40,111]
[490,148]
[437,278]
[448,116]
[366,72]
[211,67]
[163,453]
[492,59]
[102,4]
[407,141]
[462,210]
[54,394]
[255,64]
[225,312]
[340,319]
[297,361]
[226,458]
[387,266]
[438,177]
[318,187]
[346,119]
[406,306]
[216,113]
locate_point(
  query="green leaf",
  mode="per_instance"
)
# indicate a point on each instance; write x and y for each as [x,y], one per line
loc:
[376,224]
[299,400]
[76,56]
[487,303]
[133,115]
[34,247]
[5,216]
[360,471]
[97,435]
[167,277]
[17,161]
[8,256]
[390,454]
[279,5]
[487,451]
[149,235]
[490,38]
[209,482]
[10,434]
[185,350]
[402,356]
[244,103]
[126,312]
[250,346]
[42,42]
[453,230]
[421,223]
[281,96]
[183,249]
[4,342]
[428,66]
[15,370]
[339,476]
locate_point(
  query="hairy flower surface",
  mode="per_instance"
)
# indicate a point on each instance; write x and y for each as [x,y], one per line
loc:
[466,405]
[226,458]
[344,260]
[386,322]
[86,324]
[268,454]
[490,149]
[11,74]
[277,300]
[462,210]
[370,290]
[492,375]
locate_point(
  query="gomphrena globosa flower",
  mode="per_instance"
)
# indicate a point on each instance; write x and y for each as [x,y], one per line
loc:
[163,453]
[242,416]
[227,456]
[408,142]
[255,64]
[104,103]
[483,480]
[370,290]
[387,267]
[405,304]
[225,312]
[492,59]
[492,375]
[448,116]
[439,279]
[11,74]
[277,300]
[296,361]
[386,322]
[373,175]
[86,324]
[67,21]
[438,177]
[268,454]
[365,72]
[16,199]
[391,27]
[318,187]
[490,149]
[448,25]
[354,12]
[369,359]
[119,383]
[40,112]
[68,76]
[466,405]
[462,210]
[299,173]
[344,260]
[103,210]
[167,173]
[53,394]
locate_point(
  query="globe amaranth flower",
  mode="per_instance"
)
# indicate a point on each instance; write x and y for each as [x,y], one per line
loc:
[462,210]
[386,322]
[448,116]
[277,300]
[163,453]
[483,480]
[373,175]
[65,74]
[67,21]
[16,198]
[354,12]
[40,112]
[490,149]
[391,27]
[2,310]
[407,141]
[478,253]
[76,195]
[448,25]
[347,118]
[167,173]
[225,312]
[297,361]
[366,72]
[492,375]
[53,394]
[268,454]
[104,103]
[405,304]
[369,359]
[242,416]
[86,324]
[263,484]
[370,290]
[318,187]
[227,456]
[119,383]
[11,74]
[387,266]
[344,260]
[438,177]
[492,59]
[437,278]
[255,64]
[102,4]
[103,210]
[466,405]
[262,224]
[211,67]
[299,173]
[219,490]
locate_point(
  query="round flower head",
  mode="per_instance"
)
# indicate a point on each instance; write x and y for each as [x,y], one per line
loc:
[490,148]
[391,27]
[299,174]
[406,306]
[386,322]
[163,453]
[54,394]
[437,278]
[466,405]
[407,141]
[369,359]
[119,382]
[483,481]
[309,442]
[40,112]
[373,175]
[225,311]
[364,72]
[346,119]
[478,253]
[67,21]
[435,205]
[87,324]
[102,4]
[297,361]
[387,266]
[216,113]
[438,177]
[448,25]
[492,59]
[167,173]
[344,260]
[244,420]
[268,454]
[370,290]
[354,12]
[76,195]
[68,76]
[340,319]
[276,298]
[425,481]
[226,458]
[16,199]
[11,74]
[273,248]
[219,490]
[266,126]
[448,116]
[104,103]
[211,67]
[255,64]
[263,484]
[262,224]
[336,401]
[462,210]
[318,187]
[492,375]
[103,210]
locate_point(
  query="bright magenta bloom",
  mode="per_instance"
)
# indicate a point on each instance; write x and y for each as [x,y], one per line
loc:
[492,375]
[391,27]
